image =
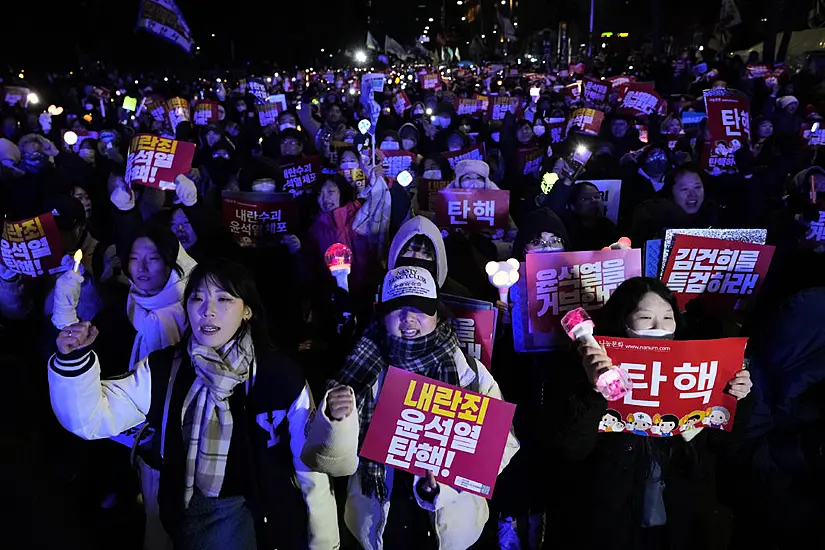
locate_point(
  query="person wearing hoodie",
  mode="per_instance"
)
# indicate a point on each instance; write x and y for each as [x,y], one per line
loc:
[644,177]
[409,136]
[386,507]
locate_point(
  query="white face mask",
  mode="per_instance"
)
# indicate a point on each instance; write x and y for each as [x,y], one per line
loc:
[348,166]
[538,130]
[652,333]
[432,174]
[87,154]
[407,144]
[389,146]
[264,185]
[443,121]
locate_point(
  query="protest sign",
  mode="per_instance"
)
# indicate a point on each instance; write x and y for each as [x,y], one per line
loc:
[178,110]
[573,91]
[619,80]
[611,191]
[556,129]
[279,100]
[164,19]
[473,209]
[299,177]
[16,95]
[421,425]
[206,112]
[595,91]
[529,160]
[638,99]
[577,68]
[257,88]
[470,106]
[729,126]
[267,113]
[692,118]
[755,236]
[258,219]
[401,103]
[757,71]
[561,281]
[373,81]
[501,105]
[157,108]
[396,162]
[677,385]
[428,192]
[723,270]
[155,161]
[815,235]
[31,247]
[585,121]
[429,80]
[474,322]
[474,152]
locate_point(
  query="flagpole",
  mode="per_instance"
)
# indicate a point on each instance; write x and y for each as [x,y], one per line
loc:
[590,40]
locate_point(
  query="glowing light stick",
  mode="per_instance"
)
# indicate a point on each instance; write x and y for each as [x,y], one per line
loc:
[612,383]
[338,258]
[70,138]
[404,178]
[503,275]
[77,257]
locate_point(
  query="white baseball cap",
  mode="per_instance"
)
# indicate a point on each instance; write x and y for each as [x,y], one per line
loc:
[409,286]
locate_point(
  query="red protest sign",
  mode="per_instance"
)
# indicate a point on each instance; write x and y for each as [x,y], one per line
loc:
[474,152]
[595,91]
[421,425]
[677,385]
[573,91]
[429,80]
[155,161]
[474,322]
[205,112]
[618,80]
[729,126]
[257,219]
[16,95]
[529,160]
[723,271]
[815,235]
[278,100]
[428,192]
[577,68]
[402,103]
[157,108]
[267,113]
[396,162]
[473,209]
[757,71]
[585,121]
[299,177]
[639,99]
[470,105]
[561,281]
[101,93]
[178,110]
[501,105]
[556,129]
[32,246]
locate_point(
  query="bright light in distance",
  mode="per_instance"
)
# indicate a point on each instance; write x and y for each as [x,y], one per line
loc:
[352,91]
[483,36]
[604,44]
[409,77]
[360,57]
[33,99]
[431,19]
[136,81]
[463,18]
[213,35]
[630,67]
[166,79]
[269,79]
[218,80]
[701,48]
[459,2]
[322,50]
[70,138]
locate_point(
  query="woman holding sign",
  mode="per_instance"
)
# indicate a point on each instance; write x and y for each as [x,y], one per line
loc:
[230,413]
[389,507]
[642,491]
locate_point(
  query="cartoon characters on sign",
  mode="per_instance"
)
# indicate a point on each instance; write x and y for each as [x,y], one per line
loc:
[611,422]
[639,423]
[690,420]
[716,418]
[665,424]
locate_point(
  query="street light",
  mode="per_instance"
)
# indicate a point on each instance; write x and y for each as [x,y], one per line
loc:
[459,2]
[213,35]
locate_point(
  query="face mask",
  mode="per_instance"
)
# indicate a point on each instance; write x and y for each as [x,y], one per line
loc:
[348,166]
[418,111]
[389,146]
[432,174]
[653,333]
[495,136]
[264,185]
[87,155]
[429,265]
[407,144]
[443,121]
[89,106]
[538,130]
[286,125]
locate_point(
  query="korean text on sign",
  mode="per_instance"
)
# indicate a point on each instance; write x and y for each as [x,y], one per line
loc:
[558,283]
[299,178]
[156,162]
[31,247]
[699,265]
[475,152]
[424,425]
[473,209]
[676,385]
[816,232]
[252,218]
[474,323]
[729,127]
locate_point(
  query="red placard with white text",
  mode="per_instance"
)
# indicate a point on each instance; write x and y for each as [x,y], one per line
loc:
[558,282]
[677,385]
[815,235]
[155,161]
[473,209]
[729,126]
[618,80]
[299,177]
[401,103]
[31,247]
[428,80]
[501,105]
[421,425]
[595,91]
[257,219]
[586,121]
[474,322]
[529,160]
[469,106]
[205,112]
[639,99]
[396,162]
[475,152]
[723,272]
[428,192]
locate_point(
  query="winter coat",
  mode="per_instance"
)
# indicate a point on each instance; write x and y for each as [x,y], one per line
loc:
[652,217]
[457,517]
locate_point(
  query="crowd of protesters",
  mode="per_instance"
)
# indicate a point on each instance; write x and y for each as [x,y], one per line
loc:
[259,374]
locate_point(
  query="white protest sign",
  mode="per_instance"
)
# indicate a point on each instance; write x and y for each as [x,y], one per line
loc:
[611,191]
[374,81]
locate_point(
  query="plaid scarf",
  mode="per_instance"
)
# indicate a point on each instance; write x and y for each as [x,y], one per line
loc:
[432,355]
[207,420]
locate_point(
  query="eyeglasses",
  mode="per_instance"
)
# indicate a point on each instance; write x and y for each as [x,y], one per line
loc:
[590,198]
[552,242]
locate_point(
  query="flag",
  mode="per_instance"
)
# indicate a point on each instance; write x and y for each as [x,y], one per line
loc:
[457,55]
[507,28]
[372,43]
[450,55]
[729,14]
[164,19]
[393,47]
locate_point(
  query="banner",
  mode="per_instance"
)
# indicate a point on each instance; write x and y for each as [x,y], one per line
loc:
[258,219]
[163,18]
[267,113]
[677,385]
[257,88]
[178,110]
[474,322]
[474,152]
[586,121]
[529,160]
[206,112]
[729,270]
[422,424]
[473,209]
[157,108]
[574,91]
[155,161]
[428,192]
[638,99]
[560,281]
[729,126]
[299,177]
[595,91]
[32,247]
[16,95]
[279,100]
[501,105]
[396,162]
[611,191]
